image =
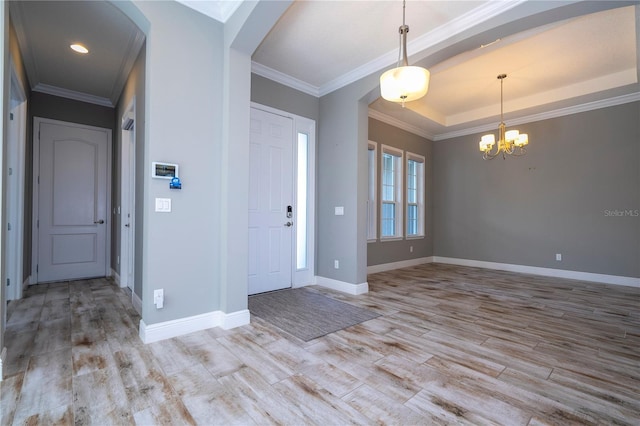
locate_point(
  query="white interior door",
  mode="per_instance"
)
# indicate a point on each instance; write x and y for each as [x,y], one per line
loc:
[72,201]
[270,197]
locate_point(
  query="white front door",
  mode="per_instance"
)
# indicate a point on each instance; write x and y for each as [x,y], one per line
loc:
[270,202]
[73,211]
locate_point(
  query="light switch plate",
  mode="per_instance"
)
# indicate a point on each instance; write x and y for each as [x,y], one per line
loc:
[163,205]
[339,211]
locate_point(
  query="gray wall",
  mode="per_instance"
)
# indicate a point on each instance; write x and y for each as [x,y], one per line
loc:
[134,87]
[559,198]
[394,251]
[63,109]
[276,95]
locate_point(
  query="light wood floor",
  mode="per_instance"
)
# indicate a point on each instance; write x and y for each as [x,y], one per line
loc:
[453,345]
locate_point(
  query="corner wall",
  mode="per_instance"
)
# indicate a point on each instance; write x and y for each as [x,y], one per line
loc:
[574,193]
[381,252]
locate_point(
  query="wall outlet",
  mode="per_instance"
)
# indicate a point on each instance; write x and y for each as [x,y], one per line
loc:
[559,257]
[158,298]
[336,264]
[410,249]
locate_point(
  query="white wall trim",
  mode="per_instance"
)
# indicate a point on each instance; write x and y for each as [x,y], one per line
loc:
[234,319]
[343,286]
[26,282]
[137,302]
[547,272]
[397,265]
[71,94]
[168,329]
[3,356]
[116,277]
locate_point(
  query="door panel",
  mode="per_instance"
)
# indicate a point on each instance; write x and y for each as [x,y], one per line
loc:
[270,192]
[72,202]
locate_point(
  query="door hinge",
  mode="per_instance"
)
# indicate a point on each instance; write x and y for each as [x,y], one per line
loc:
[8,282]
[38,180]
[38,223]
[11,116]
[8,227]
[37,268]
[10,171]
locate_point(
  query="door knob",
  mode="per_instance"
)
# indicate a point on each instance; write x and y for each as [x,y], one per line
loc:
[98,222]
[127,225]
[288,224]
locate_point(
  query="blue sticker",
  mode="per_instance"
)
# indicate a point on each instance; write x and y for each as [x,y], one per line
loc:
[175,183]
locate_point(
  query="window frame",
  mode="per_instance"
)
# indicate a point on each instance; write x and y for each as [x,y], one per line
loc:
[398,191]
[372,197]
[420,194]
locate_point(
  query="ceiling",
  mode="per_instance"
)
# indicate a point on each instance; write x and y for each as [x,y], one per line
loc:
[553,66]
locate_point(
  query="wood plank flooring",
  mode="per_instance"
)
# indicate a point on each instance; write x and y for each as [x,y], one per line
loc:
[453,345]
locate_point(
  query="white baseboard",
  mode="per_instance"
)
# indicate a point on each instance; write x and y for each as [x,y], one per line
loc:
[3,356]
[168,329]
[26,282]
[137,302]
[343,286]
[116,277]
[397,265]
[547,272]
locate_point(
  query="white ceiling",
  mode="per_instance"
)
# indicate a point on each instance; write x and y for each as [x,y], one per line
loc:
[557,62]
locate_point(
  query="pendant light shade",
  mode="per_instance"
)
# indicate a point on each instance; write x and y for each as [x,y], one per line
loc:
[404,83]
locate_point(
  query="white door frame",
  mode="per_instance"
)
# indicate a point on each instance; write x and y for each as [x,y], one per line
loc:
[16,148]
[127,196]
[304,276]
[35,244]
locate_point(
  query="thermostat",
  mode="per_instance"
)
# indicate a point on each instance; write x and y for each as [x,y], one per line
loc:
[164,170]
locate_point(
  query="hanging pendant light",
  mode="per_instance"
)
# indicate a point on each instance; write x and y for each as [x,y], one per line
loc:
[404,83]
[509,142]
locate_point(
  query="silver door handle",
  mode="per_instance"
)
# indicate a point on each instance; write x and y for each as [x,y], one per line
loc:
[289,224]
[98,222]
[127,225]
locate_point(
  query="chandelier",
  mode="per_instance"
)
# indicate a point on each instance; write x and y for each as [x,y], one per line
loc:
[404,83]
[510,142]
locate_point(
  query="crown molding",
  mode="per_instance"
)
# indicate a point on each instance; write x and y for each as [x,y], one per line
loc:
[71,94]
[451,29]
[136,40]
[589,106]
[392,121]
[284,79]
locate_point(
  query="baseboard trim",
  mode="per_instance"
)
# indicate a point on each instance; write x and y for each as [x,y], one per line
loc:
[174,328]
[397,265]
[116,277]
[343,286]
[3,357]
[25,283]
[137,302]
[547,272]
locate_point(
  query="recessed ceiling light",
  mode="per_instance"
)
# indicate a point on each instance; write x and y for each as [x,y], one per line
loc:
[79,48]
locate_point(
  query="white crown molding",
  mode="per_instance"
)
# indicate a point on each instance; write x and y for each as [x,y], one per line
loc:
[392,121]
[450,29]
[71,94]
[284,79]
[130,55]
[589,106]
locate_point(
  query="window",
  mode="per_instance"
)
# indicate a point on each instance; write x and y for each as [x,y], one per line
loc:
[301,198]
[372,208]
[415,195]
[391,199]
